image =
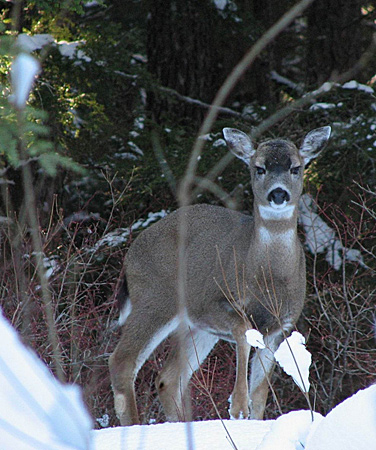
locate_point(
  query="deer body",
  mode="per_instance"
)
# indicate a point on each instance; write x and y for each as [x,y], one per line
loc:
[242,272]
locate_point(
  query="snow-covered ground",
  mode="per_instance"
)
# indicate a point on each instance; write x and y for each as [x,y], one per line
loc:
[37,413]
[349,426]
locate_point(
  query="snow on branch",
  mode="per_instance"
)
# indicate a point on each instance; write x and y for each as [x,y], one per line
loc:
[291,355]
[321,238]
[295,359]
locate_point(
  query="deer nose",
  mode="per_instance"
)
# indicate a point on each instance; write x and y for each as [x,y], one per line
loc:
[278,196]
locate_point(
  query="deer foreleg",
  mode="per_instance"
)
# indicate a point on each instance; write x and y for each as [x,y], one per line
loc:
[261,371]
[239,398]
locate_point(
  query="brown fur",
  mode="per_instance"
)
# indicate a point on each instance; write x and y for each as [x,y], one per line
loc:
[242,272]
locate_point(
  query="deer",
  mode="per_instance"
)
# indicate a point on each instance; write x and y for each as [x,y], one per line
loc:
[243,271]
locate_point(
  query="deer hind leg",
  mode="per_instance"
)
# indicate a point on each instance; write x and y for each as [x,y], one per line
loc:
[141,334]
[173,380]
[261,371]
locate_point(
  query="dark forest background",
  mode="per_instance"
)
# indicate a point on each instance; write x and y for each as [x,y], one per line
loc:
[120,117]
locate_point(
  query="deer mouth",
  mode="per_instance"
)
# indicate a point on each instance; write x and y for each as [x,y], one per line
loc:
[278,205]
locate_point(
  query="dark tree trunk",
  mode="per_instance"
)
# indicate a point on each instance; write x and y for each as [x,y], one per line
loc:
[181,55]
[334,38]
[267,14]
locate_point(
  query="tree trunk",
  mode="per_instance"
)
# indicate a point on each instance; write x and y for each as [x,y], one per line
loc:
[334,38]
[181,55]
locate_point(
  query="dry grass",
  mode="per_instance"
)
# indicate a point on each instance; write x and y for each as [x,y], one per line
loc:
[338,321]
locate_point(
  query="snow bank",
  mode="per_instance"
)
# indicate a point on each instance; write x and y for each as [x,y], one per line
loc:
[349,426]
[36,411]
[290,431]
[246,434]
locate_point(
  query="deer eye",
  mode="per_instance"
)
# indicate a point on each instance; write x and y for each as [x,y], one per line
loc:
[295,170]
[260,171]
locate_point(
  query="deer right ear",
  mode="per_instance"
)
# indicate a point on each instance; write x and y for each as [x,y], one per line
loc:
[239,144]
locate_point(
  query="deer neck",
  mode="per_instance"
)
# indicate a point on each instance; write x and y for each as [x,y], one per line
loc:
[275,240]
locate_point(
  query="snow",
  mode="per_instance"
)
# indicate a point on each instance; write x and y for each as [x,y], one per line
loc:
[290,431]
[36,411]
[319,105]
[358,86]
[291,355]
[120,235]
[255,338]
[221,4]
[23,71]
[295,359]
[349,426]
[36,42]
[69,50]
[219,143]
[320,238]
[246,434]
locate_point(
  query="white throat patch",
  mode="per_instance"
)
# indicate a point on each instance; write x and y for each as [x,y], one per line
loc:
[285,237]
[276,212]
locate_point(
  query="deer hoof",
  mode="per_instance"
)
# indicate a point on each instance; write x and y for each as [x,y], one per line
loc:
[239,410]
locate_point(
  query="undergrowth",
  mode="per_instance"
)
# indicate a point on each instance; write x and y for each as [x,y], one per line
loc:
[337,320]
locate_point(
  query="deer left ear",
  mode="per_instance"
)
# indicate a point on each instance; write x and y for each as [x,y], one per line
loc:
[314,142]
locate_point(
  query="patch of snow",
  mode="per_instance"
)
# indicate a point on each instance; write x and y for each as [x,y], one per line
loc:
[23,71]
[255,338]
[219,143]
[31,43]
[290,431]
[220,4]
[77,121]
[206,137]
[139,123]
[295,359]
[360,87]
[125,155]
[70,50]
[320,237]
[120,236]
[135,148]
[104,421]
[51,265]
[36,411]
[318,106]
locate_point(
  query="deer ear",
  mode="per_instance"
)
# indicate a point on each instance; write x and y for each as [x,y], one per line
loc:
[239,144]
[314,143]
